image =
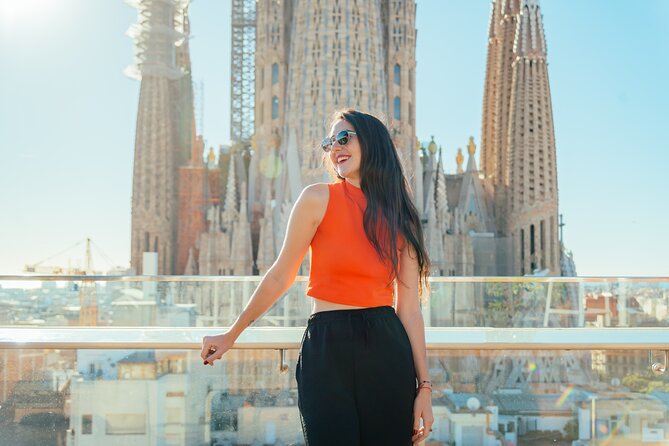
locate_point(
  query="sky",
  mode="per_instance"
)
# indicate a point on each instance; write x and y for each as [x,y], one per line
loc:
[67,120]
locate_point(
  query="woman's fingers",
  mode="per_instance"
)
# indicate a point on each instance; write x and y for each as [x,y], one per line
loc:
[417,428]
[209,350]
[209,356]
[207,344]
[421,432]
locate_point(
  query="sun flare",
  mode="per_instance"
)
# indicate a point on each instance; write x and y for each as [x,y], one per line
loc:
[14,10]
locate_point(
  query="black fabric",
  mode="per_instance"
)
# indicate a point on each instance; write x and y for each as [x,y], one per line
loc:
[356,379]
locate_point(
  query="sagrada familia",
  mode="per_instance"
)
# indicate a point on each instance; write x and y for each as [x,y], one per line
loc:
[225,213]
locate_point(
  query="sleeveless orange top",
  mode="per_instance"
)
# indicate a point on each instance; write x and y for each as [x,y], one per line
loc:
[345,267]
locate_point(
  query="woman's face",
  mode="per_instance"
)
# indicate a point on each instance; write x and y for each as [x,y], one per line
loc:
[346,158]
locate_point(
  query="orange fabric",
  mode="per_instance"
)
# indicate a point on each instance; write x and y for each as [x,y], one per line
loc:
[345,267]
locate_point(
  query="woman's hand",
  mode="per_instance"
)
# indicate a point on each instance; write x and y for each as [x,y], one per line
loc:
[213,347]
[422,408]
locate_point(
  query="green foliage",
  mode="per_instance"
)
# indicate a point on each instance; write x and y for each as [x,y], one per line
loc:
[645,384]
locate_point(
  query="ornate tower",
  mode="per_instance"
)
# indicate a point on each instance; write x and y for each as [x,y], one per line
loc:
[518,154]
[164,118]
[273,21]
[336,60]
[399,20]
[313,57]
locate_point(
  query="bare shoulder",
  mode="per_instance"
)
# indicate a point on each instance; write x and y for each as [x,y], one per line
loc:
[315,194]
[315,198]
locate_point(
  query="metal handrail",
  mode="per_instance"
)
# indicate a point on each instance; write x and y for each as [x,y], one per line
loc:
[286,338]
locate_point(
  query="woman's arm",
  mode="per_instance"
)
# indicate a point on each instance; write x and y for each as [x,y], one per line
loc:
[408,311]
[304,219]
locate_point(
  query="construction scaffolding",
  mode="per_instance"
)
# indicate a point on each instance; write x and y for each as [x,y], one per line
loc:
[242,85]
[156,38]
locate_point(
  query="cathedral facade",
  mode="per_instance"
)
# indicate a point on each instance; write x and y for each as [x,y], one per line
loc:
[226,214]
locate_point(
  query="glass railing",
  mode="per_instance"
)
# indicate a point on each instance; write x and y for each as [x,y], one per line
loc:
[513,361]
[197,301]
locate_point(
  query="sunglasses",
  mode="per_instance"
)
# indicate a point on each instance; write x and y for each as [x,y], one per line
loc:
[342,139]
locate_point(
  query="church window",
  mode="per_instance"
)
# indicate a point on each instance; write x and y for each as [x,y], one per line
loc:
[396,106]
[397,72]
[522,251]
[552,244]
[542,242]
[275,107]
[533,263]
[275,73]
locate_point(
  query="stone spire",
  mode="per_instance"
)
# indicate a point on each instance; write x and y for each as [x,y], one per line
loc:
[241,251]
[214,255]
[497,91]
[440,197]
[518,144]
[230,213]
[161,111]
[532,198]
[434,239]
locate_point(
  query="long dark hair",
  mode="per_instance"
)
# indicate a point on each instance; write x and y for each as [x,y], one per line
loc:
[390,210]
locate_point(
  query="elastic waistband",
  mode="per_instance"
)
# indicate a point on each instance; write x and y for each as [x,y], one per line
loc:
[330,315]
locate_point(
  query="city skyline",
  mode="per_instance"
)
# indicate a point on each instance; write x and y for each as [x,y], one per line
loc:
[625,216]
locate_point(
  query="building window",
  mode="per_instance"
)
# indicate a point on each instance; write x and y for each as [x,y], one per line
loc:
[397,72]
[275,107]
[396,106]
[275,73]
[86,424]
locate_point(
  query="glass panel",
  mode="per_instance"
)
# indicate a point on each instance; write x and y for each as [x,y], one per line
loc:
[217,301]
[80,397]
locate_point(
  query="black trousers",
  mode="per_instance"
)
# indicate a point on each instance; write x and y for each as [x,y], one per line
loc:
[356,379]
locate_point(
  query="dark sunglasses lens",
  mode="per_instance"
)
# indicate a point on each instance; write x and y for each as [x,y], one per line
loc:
[342,138]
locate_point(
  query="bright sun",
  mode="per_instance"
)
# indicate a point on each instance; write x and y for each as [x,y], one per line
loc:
[13,10]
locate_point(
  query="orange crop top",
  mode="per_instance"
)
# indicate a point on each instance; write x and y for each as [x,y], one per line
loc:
[345,267]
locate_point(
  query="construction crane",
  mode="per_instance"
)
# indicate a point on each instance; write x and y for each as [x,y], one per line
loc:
[88,301]
[88,298]
[40,268]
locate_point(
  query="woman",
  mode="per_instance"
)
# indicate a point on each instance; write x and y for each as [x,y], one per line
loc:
[362,369]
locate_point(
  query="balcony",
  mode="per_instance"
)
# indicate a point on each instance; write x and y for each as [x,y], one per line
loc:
[515,361]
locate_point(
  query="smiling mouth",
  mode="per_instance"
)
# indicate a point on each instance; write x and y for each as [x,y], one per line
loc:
[343,160]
